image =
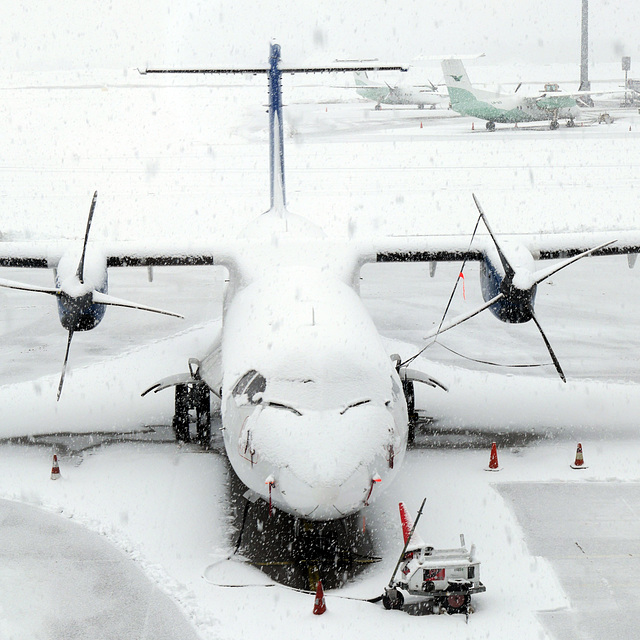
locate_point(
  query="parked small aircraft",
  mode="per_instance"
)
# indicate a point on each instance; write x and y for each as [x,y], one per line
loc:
[551,104]
[384,93]
[316,415]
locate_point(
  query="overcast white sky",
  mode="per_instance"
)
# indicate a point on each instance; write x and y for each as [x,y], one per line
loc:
[64,34]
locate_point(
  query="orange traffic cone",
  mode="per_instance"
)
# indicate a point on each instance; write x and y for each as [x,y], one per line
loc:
[493,459]
[579,463]
[421,125]
[319,606]
[55,469]
[472,127]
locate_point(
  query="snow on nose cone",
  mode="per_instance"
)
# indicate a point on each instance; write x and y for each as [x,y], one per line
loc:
[324,460]
[324,502]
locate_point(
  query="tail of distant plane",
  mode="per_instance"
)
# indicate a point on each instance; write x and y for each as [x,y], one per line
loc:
[361,78]
[455,75]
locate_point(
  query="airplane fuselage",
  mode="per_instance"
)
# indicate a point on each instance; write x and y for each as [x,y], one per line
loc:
[313,412]
[510,109]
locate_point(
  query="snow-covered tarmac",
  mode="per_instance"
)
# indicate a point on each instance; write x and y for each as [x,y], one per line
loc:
[174,161]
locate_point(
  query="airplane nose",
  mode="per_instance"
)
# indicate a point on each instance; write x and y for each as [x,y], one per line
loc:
[324,462]
[328,500]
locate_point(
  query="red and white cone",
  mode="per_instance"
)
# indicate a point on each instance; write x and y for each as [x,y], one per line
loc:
[579,462]
[493,459]
[55,469]
[319,605]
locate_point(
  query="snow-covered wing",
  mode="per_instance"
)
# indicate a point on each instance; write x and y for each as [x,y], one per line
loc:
[443,248]
[45,255]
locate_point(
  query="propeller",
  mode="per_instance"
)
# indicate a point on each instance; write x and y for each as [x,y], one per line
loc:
[521,295]
[77,300]
[524,295]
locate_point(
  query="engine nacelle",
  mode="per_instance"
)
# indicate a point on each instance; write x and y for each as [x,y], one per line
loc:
[76,308]
[519,293]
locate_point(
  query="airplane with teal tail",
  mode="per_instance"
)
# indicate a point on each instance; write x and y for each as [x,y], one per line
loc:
[549,105]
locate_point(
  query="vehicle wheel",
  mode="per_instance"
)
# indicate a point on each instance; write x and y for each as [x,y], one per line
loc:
[457,603]
[397,604]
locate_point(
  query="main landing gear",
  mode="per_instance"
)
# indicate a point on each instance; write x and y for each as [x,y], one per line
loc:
[193,403]
[491,126]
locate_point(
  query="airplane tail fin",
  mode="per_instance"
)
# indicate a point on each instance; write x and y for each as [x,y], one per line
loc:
[361,78]
[455,75]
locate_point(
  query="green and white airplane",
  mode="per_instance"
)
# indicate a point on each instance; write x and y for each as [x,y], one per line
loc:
[551,104]
[383,93]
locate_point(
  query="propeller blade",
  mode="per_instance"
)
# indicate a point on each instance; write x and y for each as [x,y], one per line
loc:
[11,284]
[508,269]
[80,271]
[462,318]
[519,85]
[543,274]
[64,364]
[549,349]
[103,298]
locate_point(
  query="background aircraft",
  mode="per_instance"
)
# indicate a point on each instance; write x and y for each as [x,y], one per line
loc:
[316,413]
[384,93]
[551,104]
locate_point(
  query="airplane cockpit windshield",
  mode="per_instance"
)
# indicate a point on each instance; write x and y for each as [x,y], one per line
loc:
[250,385]
[300,394]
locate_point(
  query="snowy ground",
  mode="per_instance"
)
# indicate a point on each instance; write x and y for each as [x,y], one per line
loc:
[174,161]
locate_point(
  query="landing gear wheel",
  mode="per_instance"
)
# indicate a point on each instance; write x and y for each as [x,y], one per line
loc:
[410,397]
[397,602]
[202,402]
[181,414]
[194,397]
[377,107]
[420,106]
[554,125]
[491,126]
[571,123]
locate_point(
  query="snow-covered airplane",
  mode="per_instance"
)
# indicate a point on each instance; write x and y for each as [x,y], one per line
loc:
[467,100]
[314,410]
[383,93]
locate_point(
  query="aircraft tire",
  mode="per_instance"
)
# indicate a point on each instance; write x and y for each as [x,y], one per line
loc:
[181,414]
[491,126]
[202,402]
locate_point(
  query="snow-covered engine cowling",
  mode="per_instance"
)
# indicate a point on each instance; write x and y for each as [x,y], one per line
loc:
[75,307]
[519,292]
